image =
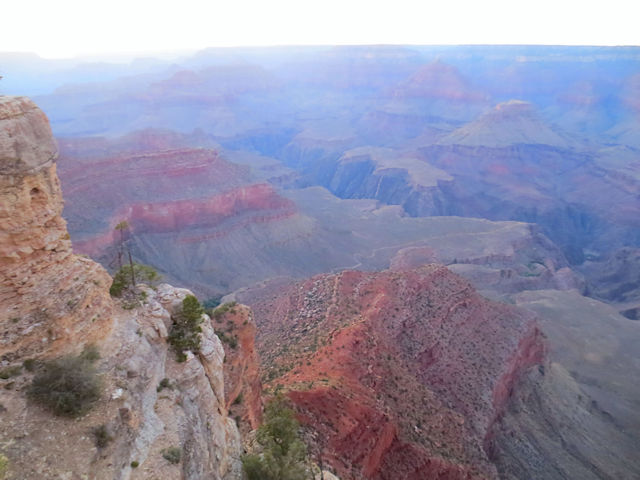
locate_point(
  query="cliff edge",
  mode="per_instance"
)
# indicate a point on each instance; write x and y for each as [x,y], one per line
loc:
[155,417]
[51,300]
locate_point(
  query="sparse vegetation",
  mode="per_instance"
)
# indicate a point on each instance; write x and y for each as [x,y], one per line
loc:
[164,383]
[172,454]
[123,278]
[30,364]
[9,372]
[283,455]
[224,308]
[90,353]
[230,340]
[101,436]
[4,466]
[68,385]
[185,330]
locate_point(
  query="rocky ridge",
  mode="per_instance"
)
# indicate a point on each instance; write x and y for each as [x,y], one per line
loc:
[401,374]
[55,303]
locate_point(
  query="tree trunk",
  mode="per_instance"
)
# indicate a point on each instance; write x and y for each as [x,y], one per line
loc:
[133,275]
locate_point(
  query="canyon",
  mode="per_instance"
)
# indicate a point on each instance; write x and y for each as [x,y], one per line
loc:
[434,252]
[56,303]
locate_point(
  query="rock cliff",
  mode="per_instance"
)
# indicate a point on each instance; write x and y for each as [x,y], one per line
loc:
[51,299]
[243,388]
[156,417]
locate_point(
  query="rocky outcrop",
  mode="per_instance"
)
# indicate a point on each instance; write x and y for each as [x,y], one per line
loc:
[51,300]
[54,302]
[616,279]
[151,403]
[401,373]
[243,388]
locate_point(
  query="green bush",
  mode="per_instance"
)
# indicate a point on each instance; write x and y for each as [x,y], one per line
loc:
[135,464]
[164,383]
[185,329]
[67,385]
[4,466]
[222,309]
[172,454]
[284,455]
[122,278]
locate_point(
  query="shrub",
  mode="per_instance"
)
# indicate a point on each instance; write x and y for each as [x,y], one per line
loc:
[185,330]
[90,353]
[172,454]
[284,454]
[231,340]
[101,435]
[222,309]
[9,372]
[122,278]
[135,464]
[164,383]
[67,385]
[4,466]
[30,364]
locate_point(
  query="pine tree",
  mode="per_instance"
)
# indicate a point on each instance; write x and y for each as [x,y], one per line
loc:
[284,455]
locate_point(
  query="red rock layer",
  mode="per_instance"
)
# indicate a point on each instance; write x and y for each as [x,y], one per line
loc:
[400,373]
[206,212]
[255,203]
[242,386]
[191,193]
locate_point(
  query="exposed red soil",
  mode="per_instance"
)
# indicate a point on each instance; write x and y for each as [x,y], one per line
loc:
[400,373]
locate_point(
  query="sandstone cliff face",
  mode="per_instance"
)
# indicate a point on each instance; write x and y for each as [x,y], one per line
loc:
[401,374]
[50,299]
[54,302]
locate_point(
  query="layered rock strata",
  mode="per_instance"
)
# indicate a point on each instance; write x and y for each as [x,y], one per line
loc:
[400,374]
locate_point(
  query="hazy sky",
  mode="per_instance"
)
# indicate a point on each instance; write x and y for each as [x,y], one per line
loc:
[64,28]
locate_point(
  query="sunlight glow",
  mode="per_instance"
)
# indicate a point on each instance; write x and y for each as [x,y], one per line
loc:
[66,28]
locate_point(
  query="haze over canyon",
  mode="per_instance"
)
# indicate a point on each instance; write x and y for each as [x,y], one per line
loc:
[430,254]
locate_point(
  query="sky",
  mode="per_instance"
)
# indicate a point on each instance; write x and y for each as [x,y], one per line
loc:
[68,28]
